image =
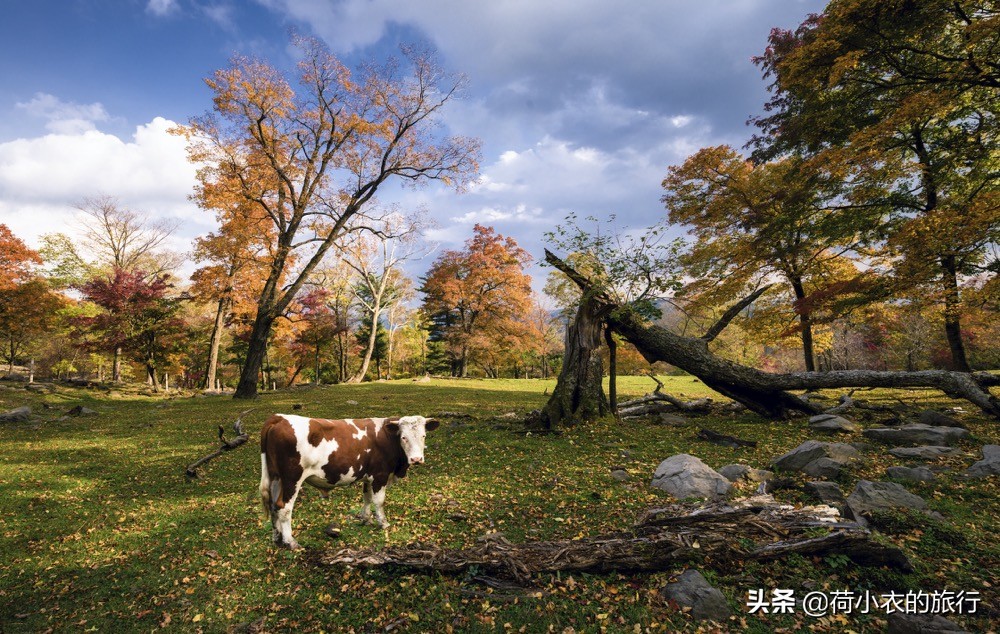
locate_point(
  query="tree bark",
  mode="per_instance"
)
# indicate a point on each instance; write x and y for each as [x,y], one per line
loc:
[579,392]
[952,315]
[366,360]
[762,392]
[116,366]
[609,339]
[256,351]
[213,347]
[805,322]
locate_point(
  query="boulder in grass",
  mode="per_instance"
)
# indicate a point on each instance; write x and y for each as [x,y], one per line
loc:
[818,459]
[937,419]
[833,424]
[826,492]
[911,474]
[744,473]
[80,410]
[871,496]
[917,434]
[926,452]
[989,465]
[692,590]
[18,415]
[685,476]
[909,623]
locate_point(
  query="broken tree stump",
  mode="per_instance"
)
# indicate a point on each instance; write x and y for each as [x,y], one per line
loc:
[756,529]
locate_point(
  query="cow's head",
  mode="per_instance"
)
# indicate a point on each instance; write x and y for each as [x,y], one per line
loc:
[412,431]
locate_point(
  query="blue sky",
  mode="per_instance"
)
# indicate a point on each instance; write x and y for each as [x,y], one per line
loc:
[581,105]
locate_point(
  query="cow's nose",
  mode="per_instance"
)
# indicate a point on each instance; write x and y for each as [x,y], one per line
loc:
[416,461]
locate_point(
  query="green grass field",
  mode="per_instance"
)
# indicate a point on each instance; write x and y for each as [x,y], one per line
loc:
[101,531]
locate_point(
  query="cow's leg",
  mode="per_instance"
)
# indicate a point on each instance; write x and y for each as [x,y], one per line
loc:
[365,514]
[283,515]
[275,486]
[378,499]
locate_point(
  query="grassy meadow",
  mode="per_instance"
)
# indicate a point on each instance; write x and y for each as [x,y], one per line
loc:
[101,531]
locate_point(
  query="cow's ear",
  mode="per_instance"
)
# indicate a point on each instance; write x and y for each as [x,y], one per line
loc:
[392,427]
[431,424]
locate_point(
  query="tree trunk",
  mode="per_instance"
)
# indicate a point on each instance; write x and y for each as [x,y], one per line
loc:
[762,392]
[316,367]
[952,315]
[367,358]
[213,347]
[805,321]
[609,338]
[579,392]
[116,366]
[151,377]
[256,352]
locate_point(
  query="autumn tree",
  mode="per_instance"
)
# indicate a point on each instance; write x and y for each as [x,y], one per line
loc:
[751,221]
[27,304]
[312,157]
[475,291]
[323,321]
[398,315]
[137,317]
[235,259]
[376,258]
[900,100]
[17,260]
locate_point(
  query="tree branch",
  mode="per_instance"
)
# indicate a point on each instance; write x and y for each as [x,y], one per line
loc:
[732,312]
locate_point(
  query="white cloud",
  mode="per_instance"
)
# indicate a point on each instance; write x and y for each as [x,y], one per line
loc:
[161,7]
[43,178]
[64,117]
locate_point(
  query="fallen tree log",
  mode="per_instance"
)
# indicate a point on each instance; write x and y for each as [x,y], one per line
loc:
[763,392]
[716,535]
[226,445]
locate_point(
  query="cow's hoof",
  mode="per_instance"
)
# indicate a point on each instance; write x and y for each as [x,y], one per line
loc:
[293,545]
[383,524]
[363,519]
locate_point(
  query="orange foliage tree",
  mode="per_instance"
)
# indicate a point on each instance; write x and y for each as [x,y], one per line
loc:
[312,157]
[476,296]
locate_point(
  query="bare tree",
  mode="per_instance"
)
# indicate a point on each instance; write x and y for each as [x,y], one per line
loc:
[121,238]
[376,257]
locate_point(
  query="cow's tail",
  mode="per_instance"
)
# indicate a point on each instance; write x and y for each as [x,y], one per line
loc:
[270,488]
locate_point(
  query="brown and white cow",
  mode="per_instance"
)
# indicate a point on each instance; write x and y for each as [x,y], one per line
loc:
[330,453]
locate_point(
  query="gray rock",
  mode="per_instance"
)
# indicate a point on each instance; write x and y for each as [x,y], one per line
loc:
[935,418]
[734,472]
[818,459]
[989,465]
[917,434]
[19,415]
[869,496]
[620,475]
[911,474]
[824,468]
[80,410]
[908,623]
[833,424]
[826,492]
[684,476]
[667,418]
[746,473]
[692,590]
[927,452]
